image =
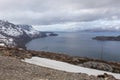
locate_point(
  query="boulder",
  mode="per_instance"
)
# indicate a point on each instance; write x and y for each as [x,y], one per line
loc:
[97,65]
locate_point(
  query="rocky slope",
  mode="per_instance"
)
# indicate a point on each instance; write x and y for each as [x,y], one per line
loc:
[12,68]
[80,61]
[17,35]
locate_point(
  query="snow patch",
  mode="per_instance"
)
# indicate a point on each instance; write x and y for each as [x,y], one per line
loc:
[2,44]
[44,62]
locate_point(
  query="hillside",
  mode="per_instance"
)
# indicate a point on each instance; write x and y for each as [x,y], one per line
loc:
[17,35]
[80,61]
[14,69]
[11,65]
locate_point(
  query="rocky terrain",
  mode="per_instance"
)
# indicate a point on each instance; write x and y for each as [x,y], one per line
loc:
[107,38]
[86,62]
[12,68]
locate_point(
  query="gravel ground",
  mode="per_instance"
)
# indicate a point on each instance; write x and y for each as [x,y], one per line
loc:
[14,69]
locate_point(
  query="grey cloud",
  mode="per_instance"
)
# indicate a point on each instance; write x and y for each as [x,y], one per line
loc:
[44,12]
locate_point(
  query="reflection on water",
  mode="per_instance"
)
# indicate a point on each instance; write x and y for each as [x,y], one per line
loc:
[79,44]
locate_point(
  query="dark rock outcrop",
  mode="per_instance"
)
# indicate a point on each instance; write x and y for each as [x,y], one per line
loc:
[106,77]
[97,65]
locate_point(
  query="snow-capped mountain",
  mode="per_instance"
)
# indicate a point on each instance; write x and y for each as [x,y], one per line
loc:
[9,29]
[16,35]
[29,30]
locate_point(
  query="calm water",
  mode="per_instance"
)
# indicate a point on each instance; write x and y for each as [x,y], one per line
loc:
[79,44]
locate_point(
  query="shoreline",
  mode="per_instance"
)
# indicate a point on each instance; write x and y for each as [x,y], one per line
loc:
[22,44]
[23,40]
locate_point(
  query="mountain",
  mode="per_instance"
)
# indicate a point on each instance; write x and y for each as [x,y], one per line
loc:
[17,35]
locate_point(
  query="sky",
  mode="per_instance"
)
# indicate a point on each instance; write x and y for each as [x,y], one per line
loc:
[62,14]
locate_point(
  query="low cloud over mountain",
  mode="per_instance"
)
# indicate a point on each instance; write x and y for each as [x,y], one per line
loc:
[110,25]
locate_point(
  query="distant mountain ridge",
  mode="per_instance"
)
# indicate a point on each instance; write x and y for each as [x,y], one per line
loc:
[17,35]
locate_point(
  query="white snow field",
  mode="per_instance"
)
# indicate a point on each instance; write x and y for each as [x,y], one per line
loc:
[63,66]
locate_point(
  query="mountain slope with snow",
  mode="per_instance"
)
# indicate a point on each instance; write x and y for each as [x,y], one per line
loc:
[29,30]
[13,35]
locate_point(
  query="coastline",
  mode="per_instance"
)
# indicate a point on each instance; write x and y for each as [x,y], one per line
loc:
[23,40]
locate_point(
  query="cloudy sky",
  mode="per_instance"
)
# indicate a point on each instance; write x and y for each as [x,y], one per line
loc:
[61,14]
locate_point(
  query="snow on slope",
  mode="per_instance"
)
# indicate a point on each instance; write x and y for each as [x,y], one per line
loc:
[29,30]
[9,32]
[66,66]
[13,30]
[9,29]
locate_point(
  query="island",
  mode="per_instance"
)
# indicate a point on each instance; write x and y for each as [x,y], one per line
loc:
[53,34]
[107,38]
